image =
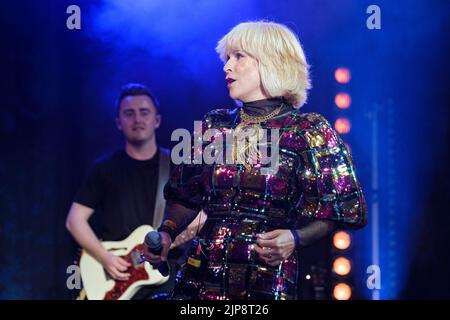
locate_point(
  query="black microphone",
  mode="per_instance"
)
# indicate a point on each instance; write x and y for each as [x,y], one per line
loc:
[153,243]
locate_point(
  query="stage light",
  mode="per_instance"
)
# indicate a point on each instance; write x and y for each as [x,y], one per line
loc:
[342,75]
[343,100]
[342,266]
[341,240]
[342,125]
[342,291]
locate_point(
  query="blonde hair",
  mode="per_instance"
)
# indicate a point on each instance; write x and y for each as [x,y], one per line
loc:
[282,63]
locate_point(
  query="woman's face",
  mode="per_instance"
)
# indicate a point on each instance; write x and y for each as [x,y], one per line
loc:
[242,76]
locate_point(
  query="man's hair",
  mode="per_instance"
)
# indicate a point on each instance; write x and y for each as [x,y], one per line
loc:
[281,60]
[136,89]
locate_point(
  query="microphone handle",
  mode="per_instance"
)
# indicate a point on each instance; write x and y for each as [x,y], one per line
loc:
[163,268]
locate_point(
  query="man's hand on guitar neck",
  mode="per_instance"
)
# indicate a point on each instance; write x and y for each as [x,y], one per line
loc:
[115,266]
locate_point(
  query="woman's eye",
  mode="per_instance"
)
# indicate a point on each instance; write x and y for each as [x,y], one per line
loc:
[239,55]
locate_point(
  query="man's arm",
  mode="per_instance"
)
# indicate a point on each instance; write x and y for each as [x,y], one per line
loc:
[79,228]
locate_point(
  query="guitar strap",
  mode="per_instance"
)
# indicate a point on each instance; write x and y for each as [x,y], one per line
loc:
[163,177]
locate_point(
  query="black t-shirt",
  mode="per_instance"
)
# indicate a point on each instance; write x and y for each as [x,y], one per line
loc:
[122,192]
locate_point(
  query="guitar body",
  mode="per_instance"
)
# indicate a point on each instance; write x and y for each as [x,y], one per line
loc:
[97,283]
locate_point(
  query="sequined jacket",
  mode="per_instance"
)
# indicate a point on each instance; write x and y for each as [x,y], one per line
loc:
[315,180]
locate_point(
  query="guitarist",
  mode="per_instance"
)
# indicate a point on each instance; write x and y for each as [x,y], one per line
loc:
[125,190]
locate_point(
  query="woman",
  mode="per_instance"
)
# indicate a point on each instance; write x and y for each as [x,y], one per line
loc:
[257,223]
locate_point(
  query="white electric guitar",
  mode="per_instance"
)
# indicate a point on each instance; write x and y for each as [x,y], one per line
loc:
[98,285]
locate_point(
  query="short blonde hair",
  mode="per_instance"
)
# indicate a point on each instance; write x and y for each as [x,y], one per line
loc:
[282,63]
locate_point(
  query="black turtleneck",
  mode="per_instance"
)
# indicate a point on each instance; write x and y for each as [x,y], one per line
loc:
[266,106]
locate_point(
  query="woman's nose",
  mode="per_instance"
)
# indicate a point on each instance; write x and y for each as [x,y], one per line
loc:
[227,67]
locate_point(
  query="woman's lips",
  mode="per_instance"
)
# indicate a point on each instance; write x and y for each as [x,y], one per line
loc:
[230,82]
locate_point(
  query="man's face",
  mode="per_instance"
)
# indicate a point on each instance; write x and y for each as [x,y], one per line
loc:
[138,119]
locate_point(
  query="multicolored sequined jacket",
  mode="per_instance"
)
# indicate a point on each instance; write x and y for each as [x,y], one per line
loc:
[315,180]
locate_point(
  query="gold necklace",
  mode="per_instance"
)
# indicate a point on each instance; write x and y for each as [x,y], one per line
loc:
[247,136]
[249,119]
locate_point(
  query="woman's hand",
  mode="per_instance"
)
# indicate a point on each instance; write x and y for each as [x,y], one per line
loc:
[275,246]
[156,260]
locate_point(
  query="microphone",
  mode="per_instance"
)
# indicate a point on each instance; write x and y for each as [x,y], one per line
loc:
[153,243]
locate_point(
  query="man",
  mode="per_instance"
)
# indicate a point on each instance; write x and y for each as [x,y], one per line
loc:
[125,189]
